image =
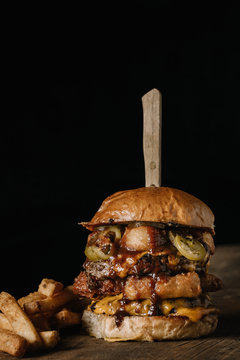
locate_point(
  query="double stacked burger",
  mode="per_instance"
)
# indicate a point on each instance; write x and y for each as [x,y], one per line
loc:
[146,271]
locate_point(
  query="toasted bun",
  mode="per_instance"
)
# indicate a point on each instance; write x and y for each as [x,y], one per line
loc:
[147,328]
[153,204]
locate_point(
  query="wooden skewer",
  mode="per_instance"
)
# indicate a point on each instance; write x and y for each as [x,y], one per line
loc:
[152,136]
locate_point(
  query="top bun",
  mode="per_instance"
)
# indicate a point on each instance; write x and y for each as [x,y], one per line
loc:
[153,204]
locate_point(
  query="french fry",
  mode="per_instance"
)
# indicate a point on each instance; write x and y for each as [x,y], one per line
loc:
[27,324]
[19,321]
[35,296]
[40,321]
[50,338]
[65,318]
[51,303]
[50,287]
[4,323]
[12,343]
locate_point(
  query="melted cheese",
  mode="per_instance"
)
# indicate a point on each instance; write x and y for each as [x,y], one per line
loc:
[194,314]
[182,308]
[111,304]
[166,306]
[138,307]
[122,264]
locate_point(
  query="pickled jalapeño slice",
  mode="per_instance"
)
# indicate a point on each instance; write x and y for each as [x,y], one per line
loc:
[189,248]
[93,253]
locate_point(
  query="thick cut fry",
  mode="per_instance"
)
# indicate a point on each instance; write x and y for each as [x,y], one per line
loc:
[50,338]
[19,321]
[65,318]
[40,321]
[4,323]
[12,343]
[31,297]
[50,287]
[50,303]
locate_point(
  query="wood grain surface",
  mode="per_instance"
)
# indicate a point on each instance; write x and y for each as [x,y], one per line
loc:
[152,137]
[223,344]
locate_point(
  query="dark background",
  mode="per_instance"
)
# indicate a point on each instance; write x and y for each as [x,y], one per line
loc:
[72,123]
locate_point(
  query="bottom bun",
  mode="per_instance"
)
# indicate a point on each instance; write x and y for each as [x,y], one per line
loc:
[147,328]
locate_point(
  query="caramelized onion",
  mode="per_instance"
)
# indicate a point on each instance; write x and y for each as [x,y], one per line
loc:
[136,238]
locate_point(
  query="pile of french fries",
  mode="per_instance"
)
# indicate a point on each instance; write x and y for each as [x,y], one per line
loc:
[33,322]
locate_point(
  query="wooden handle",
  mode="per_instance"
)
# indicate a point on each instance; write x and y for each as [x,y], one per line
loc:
[152,136]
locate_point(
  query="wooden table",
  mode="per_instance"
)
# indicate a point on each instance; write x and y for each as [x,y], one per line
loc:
[223,344]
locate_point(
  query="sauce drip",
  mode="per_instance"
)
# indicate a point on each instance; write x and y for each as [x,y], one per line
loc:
[121,313]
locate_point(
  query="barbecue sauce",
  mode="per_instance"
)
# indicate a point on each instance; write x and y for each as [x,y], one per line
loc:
[119,316]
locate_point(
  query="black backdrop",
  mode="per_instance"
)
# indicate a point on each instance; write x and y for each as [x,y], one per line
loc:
[68,144]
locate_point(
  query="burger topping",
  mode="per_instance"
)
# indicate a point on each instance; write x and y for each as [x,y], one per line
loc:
[94,253]
[102,242]
[190,248]
[124,261]
[114,240]
[181,285]
[145,264]
[116,230]
[125,251]
[144,287]
[143,238]
[108,305]
[142,264]
[194,309]
[136,239]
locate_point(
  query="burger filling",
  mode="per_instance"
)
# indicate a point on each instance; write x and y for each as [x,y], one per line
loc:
[194,309]
[141,269]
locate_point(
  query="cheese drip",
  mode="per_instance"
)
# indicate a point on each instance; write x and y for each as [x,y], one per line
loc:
[111,304]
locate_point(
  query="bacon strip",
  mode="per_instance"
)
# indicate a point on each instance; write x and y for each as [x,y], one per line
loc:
[134,287]
[181,285]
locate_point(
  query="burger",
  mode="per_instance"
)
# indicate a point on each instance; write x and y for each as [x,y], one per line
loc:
[146,269]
